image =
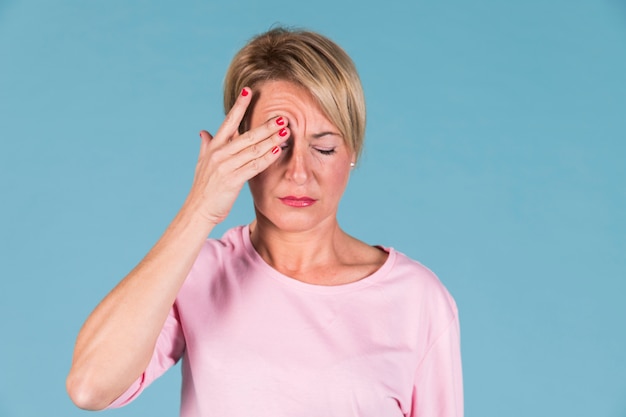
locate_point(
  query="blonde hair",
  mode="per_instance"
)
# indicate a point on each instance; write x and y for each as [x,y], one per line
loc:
[311,61]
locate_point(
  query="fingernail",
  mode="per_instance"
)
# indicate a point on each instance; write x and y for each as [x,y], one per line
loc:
[282,132]
[244,92]
[275,150]
[280,121]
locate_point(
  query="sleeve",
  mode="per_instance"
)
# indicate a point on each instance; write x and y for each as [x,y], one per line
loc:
[168,350]
[438,386]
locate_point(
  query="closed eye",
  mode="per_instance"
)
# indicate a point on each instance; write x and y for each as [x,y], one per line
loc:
[323,151]
[329,151]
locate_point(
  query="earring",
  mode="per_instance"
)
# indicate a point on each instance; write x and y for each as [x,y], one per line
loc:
[352,164]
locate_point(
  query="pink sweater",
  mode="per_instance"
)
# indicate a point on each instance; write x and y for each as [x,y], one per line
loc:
[257,343]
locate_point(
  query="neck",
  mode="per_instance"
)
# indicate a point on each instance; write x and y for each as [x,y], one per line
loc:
[296,253]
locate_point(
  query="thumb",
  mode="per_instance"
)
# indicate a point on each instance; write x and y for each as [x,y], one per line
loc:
[205,139]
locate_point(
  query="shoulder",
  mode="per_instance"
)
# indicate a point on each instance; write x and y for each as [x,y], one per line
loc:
[217,250]
[421,286]
[217,259]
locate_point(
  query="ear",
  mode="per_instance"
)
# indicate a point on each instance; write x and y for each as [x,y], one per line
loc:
[352,158]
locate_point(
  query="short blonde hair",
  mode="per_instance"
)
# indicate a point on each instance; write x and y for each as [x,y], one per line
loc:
[311,61]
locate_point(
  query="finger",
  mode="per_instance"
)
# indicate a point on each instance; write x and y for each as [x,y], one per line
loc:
[252,138]
[205,139]
[267,149]
[233,119]
[255,166]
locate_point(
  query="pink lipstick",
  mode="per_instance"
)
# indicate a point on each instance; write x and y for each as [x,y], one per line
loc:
[292,201]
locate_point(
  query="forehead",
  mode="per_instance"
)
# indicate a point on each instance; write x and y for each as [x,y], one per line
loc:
[284,98]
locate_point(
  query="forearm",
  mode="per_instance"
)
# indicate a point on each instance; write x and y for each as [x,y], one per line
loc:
[117,341]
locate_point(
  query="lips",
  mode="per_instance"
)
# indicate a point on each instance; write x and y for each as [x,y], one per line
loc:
[292,201]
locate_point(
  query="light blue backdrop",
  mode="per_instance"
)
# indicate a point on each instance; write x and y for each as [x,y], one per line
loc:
[495,155]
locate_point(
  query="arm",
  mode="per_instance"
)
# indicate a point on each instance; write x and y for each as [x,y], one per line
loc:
[438,387]
[117,340]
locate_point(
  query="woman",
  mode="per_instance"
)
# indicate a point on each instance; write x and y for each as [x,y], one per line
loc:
[287,316]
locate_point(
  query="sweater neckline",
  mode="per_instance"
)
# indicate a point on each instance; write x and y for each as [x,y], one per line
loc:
[371,279]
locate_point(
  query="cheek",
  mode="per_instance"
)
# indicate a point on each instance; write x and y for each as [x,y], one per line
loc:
[337,180]
[260,183]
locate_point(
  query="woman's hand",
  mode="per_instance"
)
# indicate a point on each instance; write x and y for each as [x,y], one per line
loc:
[133,313]
[229,159]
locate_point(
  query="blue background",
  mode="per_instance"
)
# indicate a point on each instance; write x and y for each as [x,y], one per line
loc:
[495,155]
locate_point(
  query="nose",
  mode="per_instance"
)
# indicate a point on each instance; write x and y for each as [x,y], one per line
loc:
[297,169]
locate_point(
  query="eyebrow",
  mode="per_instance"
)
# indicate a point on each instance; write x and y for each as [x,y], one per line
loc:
[322,134]
[318,135]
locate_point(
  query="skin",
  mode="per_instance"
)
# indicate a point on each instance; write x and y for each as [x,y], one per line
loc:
[304,242]
[116,342]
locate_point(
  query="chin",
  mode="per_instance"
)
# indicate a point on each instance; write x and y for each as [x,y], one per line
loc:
[292,222]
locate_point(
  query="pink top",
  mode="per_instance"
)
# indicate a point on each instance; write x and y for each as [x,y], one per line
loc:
[255,342]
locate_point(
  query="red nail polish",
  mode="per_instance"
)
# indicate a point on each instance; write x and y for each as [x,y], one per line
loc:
[244,92]
[280,121]
[275,150]
[282,132]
